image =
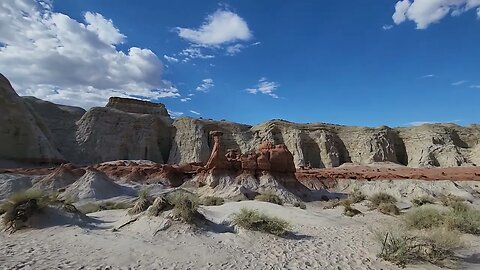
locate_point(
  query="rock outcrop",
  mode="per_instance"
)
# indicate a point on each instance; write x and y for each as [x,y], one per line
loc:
[36,131]
[24,137]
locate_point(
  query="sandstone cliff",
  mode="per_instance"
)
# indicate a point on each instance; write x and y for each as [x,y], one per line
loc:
[35,130]
[23,136]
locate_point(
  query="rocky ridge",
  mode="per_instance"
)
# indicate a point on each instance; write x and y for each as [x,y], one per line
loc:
[34,131]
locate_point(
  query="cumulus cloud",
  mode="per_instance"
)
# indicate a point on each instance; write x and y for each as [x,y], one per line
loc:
[426,12]
[54,57]
[194,112]
[205,86]
[264,87]
[185,99]
[221,27]
[222,31]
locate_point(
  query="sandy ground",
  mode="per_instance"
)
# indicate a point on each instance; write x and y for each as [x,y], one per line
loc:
[321,239]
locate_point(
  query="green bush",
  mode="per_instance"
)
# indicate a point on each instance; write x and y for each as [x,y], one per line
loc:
[388,209]
[256,221]
[422,200]
[210,201]
[300,205]
[269,197]
[381,197]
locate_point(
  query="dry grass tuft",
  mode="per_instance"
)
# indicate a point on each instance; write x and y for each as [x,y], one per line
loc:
[212,201]
[381,197]
[356,196]
[96,207]
[423,200]
[159,205]
[388,209]
[142,203]
[433,246]
[269,197]
[256,221]
[300,205]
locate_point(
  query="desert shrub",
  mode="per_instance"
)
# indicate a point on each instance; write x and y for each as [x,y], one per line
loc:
[142,203]
[238,198]
[300,205]
[349,211]
[388,209]
[211,200]
[449,199]
[159,204]
[20,206]
[185,209]
[464,219]
[422,200]
[256,221]
[433,246]
[378,198]
[269,197]
[459,206]
[424,218]
[356,196]
[96,207]
[179,195]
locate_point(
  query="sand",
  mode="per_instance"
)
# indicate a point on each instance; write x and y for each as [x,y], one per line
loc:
[321,239]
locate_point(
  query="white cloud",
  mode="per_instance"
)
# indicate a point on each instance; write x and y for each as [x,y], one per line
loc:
[170,59]
[475,86]
[234,49]
[191,95]
[459,83]
[221,27]
[256,43]
[194,53]
[104,28]
[185,99]
[428,76]
[194,112]
[264,87]
[206,84]
[426,12]
[387,27]
[174,114]
[54,57]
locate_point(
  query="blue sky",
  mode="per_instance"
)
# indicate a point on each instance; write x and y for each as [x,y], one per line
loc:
[367,63]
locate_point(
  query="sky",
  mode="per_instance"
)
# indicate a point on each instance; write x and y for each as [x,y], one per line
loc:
[365,63]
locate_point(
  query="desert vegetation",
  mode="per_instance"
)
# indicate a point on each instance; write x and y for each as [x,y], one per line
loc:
[269,197]
[212,201]
[348,209]
[422,200]
[356,196]
[20,206]
[255,221]
[143,202]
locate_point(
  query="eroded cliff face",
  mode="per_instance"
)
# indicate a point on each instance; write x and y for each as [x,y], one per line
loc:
[326,145]
[35,130]
[24,137]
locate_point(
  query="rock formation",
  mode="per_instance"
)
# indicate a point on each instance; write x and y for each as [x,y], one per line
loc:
[35,131]
[24,137]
